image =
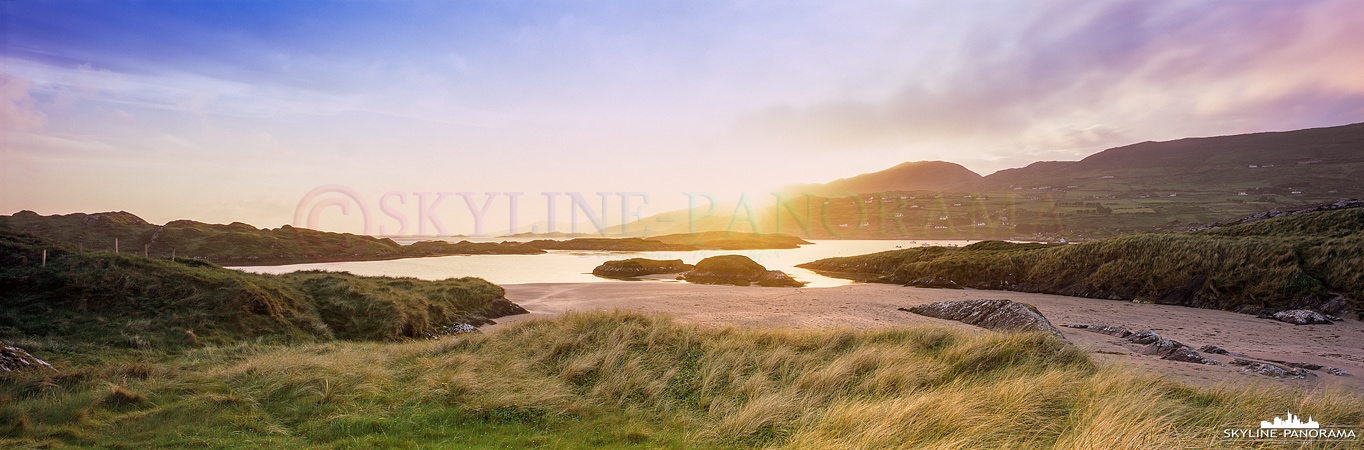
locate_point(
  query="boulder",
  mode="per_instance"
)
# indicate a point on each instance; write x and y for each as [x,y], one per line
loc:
[634,267]
[1175,351]
[1103,329]
[1301,317]
[1144,337]
[1271,370]
[737,270]
[933,282]
[1338,372]
[1213,349]
[15,358]
[1003,315]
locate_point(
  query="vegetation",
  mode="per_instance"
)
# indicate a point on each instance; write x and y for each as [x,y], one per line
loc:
[233,244]
[1303,260]
[116,299]
[618,380]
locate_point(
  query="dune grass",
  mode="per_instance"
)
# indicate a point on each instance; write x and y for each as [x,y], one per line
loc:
[626,380]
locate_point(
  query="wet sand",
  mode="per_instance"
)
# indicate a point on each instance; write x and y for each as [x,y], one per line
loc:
[875,305]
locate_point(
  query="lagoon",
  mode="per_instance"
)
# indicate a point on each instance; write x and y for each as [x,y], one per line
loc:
[575,266]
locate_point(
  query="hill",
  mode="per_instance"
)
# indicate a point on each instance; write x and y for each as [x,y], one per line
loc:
[1140,187]
[1308,260]
[1311,160]
[118,299]
[910,176]
[237,243]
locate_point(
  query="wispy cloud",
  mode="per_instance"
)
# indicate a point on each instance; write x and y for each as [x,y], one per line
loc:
[1070,77]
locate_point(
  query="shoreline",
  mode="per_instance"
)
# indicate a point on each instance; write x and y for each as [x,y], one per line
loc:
[870,305]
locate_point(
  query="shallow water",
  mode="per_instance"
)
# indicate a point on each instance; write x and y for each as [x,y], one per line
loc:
[575,266]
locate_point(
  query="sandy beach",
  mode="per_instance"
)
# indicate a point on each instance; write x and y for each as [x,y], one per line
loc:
[1338,345]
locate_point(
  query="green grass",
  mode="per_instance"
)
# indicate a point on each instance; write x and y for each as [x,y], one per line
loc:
[1297,261]
[625,380]
[79,299]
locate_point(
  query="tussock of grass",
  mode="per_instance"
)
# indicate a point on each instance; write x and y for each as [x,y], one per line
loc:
[617,379]
[1291,262]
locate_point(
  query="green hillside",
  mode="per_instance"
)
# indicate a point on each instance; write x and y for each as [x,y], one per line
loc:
[115,299]
[1309,260]
[235,244]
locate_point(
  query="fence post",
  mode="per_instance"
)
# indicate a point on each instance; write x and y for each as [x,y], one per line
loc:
[44,257]
[115,245]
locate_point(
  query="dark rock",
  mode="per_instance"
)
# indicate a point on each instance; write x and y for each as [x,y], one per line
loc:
[1103,329]
[15,358]
[1213,349]
[1272,370]
[634,267]
[1241,362]
[1300,317]
[737,270]
[1338,372]
[1144,337]
[1175,351]
[1004,315]
[933,282]
[1304,365]
[777,278]
[1335,306]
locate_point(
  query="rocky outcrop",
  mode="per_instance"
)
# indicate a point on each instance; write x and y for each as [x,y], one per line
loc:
[1272,370]
[1175,351]
[15,358]
[1002,315]
[635,267]
[1338,372]
[737,270]
[1213,349]
[1103,329]
[1144,337]
[1301,317]
[933,282]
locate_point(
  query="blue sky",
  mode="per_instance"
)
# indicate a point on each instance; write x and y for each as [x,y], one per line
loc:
[233,110]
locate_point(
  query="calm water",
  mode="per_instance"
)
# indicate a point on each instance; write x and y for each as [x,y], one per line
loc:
[572,266]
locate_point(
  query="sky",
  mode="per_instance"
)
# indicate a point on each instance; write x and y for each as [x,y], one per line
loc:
[256,111]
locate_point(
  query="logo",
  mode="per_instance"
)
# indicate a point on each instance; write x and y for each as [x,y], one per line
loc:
[1293,422]
[1290,428]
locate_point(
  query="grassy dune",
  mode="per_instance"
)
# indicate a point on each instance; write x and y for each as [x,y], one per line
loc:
[1304,260]
[618,380]
[106,299]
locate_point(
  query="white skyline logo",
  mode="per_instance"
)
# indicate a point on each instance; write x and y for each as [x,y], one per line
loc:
[1293,422]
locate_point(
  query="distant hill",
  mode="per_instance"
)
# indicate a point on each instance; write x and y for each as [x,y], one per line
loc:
[910,176]
[1139,187]
[232,244]
[1319,159]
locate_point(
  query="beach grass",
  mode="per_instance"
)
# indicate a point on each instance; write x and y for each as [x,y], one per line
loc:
[612,379]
